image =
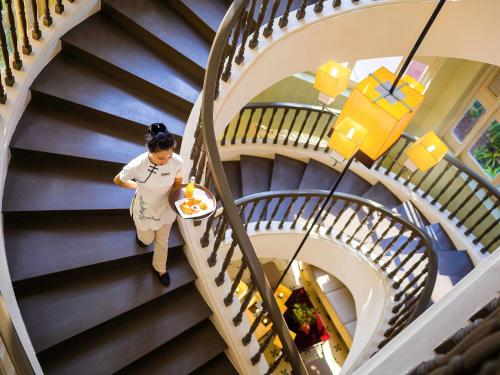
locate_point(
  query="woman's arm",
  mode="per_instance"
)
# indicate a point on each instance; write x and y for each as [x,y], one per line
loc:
[177,181]
[125,184]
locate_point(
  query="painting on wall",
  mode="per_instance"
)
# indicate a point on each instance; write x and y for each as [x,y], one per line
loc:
[486,150]
[469,119]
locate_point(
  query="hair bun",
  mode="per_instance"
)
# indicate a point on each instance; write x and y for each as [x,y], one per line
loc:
[157,127]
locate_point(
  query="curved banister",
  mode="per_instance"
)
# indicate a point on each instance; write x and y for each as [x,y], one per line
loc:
[412,285]
[306,126]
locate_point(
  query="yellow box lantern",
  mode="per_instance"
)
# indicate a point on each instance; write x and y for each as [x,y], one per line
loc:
[332,79]
[383,114]
[347,137]
[426,152]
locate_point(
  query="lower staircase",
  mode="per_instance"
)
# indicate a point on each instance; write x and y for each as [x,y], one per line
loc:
[253,174]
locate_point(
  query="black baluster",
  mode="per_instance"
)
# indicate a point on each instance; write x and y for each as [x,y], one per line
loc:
[316,148]
[36,33]
[284,18]
[285,142]
[59,7]
[472,211]
[391,225]
[372,230]
[275,212]
[212,259]
[461,206]
[224,136]
[398,155]
[270,124]
[204,240]
[337,3]
[454,195]
[3,95]
[225,52]
[318,7]
[427,174]
[255,39]
[268,30]
[405,260]
[486,247]
[327,212]
[233,140]
[47,18]
[436,199]
[354,212]
[24,28]
[270,337]
[252,211]
[407,298]
[301,210]
[9,77]
[287,212]
[308,113]
[275,364]
[244,305]
[201,166]
[263,213]
[480,220]
[285,112]
[234,44]
[17,63]
[240,57]
[485,232]
[262,113]
[252,112]
[399,250]
[361,224]
[219,280]
[306,145]
[389,246]
[228,300]
[407,181]
[415,265]
[315,212]
[438,178]
[246,339]
[301,13]
[412,282]
[345,206]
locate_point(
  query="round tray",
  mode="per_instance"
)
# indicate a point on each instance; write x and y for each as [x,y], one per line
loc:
[178,193]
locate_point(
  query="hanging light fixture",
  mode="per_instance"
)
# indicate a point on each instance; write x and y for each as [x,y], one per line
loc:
[425,153]
[346,139]
[332,79]
[383,113]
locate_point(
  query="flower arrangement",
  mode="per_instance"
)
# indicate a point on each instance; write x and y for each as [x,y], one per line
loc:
[304,315]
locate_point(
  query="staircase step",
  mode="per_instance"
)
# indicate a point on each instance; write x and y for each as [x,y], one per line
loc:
[256,174]
[410,213]
[74,81]
[130,58]
[58,244]
[318,176]
[66,306]
[232,169]
[439,238]
[184,354]
[62,185]
[48,129]
[381,194]
[206,16]
[113,345]
[353,184]
[454,263]
[162,27]
[220,365]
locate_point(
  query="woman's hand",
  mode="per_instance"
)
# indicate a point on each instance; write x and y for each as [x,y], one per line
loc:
[125,184]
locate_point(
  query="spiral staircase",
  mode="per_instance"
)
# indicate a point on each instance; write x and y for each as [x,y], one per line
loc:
[87,294]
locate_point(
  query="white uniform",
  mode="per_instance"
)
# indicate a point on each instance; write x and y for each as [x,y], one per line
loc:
[150,209]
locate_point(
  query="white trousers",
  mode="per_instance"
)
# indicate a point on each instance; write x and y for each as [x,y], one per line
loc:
[160,238]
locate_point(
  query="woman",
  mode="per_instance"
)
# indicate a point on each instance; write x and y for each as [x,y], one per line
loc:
[152,175]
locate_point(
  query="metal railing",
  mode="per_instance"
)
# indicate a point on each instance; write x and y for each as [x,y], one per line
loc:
[468,199]
[19,28]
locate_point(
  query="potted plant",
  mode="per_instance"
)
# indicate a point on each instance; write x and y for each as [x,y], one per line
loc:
[304,315]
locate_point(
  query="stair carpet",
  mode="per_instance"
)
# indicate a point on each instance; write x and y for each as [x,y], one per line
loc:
[89,297]
[253,174]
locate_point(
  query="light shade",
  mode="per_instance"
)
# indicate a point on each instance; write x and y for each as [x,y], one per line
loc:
[426,152]
[347,137]
[331,79]
[384,115]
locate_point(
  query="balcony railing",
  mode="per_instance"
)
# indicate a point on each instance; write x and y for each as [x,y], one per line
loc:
[469,200]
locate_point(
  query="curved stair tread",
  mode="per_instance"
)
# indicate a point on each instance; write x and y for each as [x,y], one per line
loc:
[163,24]
[256,174]
[440,240]
[74,81]
[115,344]
[130,56]
[410,213]
[62,185]
[343,304]
[64,307]
[318,176]
[183,354]
[232,169]
[381,194]
[206,16]
[78,134]
[454,263]
[58,244]
[220,365]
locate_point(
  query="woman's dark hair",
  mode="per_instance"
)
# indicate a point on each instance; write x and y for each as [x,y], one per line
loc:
[158,138]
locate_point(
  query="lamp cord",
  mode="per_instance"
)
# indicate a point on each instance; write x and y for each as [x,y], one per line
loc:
[417,44]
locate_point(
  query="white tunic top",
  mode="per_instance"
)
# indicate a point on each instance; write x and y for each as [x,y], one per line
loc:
[150,208]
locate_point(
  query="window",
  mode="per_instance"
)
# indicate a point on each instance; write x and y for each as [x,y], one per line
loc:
[486,150]
[468,120]
[417,70]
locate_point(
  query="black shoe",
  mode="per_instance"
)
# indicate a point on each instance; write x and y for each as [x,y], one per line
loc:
[139,242]
[164,279]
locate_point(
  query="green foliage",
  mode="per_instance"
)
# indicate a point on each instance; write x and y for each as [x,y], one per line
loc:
[304,314]
[488,155]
